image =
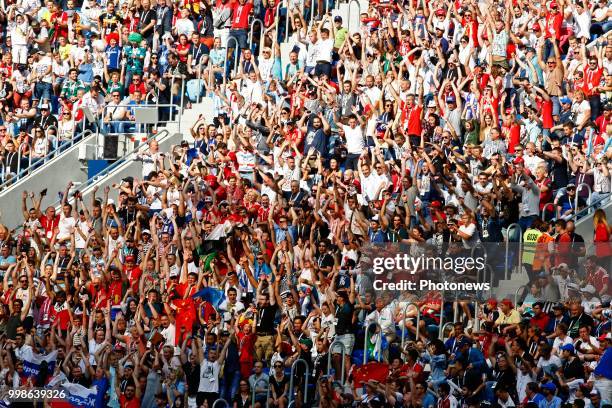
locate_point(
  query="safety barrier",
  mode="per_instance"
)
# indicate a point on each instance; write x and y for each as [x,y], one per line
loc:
[39,160]
[343,355]
[181,106]
[418,322]
[578,189]
[442,313]
[261,31]
[443,329]
[227,60]
[171,119]
[365,342]
[295,363]
[349,11]
[221,401]
[516,294]
[520,246]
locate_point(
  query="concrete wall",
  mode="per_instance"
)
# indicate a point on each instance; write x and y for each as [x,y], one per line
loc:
[53,176]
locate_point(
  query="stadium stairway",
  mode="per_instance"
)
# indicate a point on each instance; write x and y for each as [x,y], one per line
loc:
[73,166]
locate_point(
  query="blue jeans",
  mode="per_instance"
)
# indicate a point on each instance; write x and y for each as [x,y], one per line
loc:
[525,222]
[229,385]
[42,91]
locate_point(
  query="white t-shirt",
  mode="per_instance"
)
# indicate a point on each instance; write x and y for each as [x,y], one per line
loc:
[65,226]
[41,68]
[354,139]
[169,334]
[325,48]
[209,376]
[580,110]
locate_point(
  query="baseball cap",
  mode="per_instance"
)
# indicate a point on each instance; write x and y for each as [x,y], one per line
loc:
[450,99]
[549,386]
[588,289]
[146,231]
[44,106]
[431,104]
[440,12]
[338,19]
[568,347]
[565,99]
[519,160]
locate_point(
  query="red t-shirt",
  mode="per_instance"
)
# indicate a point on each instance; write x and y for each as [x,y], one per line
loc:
[125,403]
[133,276]
[592,79]
[412,115]
[554,23]
[240,16]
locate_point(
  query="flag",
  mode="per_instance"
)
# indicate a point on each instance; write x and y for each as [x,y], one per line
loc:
[370,371]
[207,260]
[33,361]
[376,343]
[220,231]
[211,295]
[78,396]
[185,316]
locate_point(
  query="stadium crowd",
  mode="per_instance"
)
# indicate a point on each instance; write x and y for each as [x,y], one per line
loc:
[229,268]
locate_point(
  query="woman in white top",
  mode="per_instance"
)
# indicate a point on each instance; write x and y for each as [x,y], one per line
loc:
[40,145]
[65,127]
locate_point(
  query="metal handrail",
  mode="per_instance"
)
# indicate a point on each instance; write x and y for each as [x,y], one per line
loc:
[261,31]
[442,313]
[220,400]
[516,294]
[113,166]
[520,242]
[199,79]
[544,210]
[588,209]
[578,188]
[348,24]
[418,323]
[443,328]
[295,363]
[365,342]
[329,355]
[236,53]
[24,172]
[253,391]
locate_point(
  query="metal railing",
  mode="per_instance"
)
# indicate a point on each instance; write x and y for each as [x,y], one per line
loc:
[343,355]
[221,401]
[520,242]
[418,322]
[295,364]
[348,24]
[227,60]
[516,294]
[443,329]
[440,332]
[171,119]
[39,161]
[261,31]
[587,210]
[113,166]
[578,189]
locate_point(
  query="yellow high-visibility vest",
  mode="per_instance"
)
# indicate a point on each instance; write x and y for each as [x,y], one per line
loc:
[530,238]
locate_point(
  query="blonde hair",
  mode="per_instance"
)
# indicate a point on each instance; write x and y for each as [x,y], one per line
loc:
[599,217]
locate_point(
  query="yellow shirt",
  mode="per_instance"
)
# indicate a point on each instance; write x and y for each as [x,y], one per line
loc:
[513,318]
[64,51]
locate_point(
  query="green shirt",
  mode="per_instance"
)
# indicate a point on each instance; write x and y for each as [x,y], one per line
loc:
[340,37]
[70,88]
[135,58]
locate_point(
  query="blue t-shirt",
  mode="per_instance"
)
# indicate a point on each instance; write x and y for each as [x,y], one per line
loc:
[101,386]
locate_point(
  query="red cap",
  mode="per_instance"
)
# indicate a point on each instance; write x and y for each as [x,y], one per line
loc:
[436,204]
[553,4]
[440,12]
[492,302]
[518,160]
[130,258]
[536,27]
[507,302]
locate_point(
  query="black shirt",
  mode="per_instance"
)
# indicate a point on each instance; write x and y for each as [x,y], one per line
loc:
[109,22]
[344,314]
[192,372]
[265,320]
[146,17]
